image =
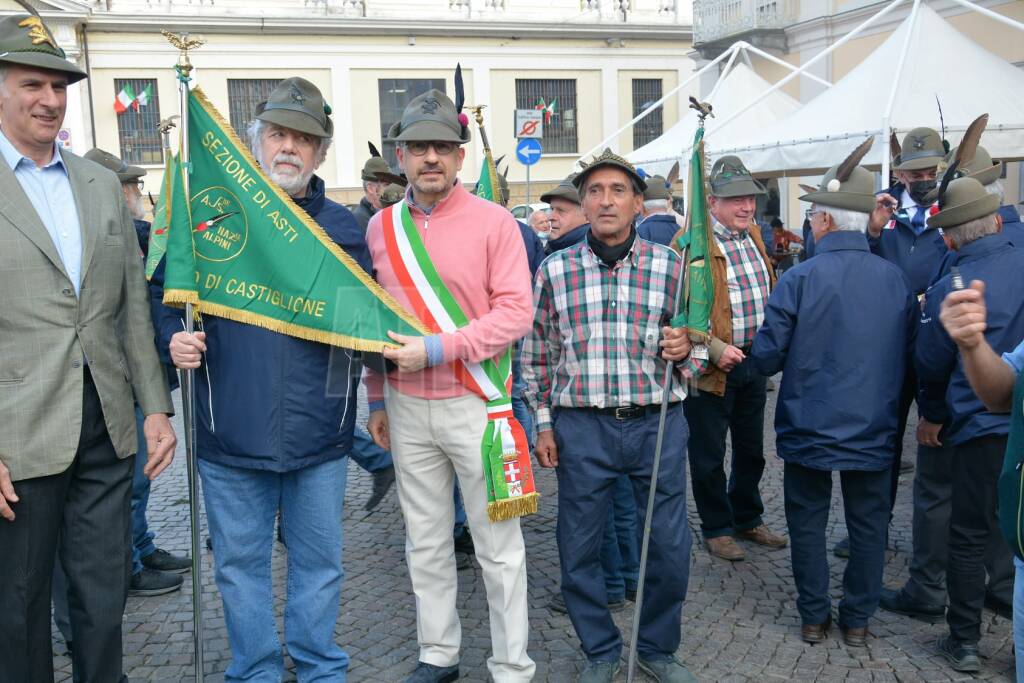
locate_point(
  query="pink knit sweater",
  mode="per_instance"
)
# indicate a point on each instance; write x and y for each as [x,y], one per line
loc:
[477,249]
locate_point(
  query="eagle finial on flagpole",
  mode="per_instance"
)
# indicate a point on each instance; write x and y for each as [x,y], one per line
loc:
[183,42]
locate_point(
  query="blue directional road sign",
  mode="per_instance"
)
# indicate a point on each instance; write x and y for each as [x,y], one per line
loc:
[528,151]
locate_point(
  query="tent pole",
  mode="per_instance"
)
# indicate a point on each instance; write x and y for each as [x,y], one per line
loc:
[657,104]
[992,15]
[725,70]
[887,116]
[810,62]
[781,62]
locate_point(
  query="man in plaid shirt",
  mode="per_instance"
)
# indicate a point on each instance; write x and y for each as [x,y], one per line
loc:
[732,394]
[594,365]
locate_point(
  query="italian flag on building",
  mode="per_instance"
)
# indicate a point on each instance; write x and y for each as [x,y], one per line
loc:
[127,99]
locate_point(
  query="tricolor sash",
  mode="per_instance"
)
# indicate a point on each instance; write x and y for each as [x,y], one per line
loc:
[506,459]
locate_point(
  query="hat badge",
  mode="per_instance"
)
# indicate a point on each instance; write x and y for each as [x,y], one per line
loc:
[37,31]
[918,141]
[430,105]
[297,95]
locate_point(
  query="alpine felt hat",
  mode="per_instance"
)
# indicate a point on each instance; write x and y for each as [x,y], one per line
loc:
[431,117]
[847,185]
[657,188]
[564,190]
[297,104]
[964,200]
[730,178]
[921,148]
[125,172]
[25,40]
[609,159]
[982,167]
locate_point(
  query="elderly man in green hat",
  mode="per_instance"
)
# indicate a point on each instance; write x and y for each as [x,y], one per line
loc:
[275,424]
[434,416]
[829,327]
[77,355]
[370,202]
[924,595]
[732,393]
[568,224]
[991,265]
[594,367]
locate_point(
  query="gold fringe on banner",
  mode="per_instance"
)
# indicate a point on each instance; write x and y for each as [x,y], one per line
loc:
[510,508]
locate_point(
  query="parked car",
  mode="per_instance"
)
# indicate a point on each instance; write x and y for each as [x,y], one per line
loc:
[522,211]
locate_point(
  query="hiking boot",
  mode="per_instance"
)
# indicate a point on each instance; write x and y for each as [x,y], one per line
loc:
[898,602]
[815,633]
[599,672]
[961,656]
[149,582]
[725,547]
[383,480]
[762,536]
[428,673]
[163,561]
[668,670]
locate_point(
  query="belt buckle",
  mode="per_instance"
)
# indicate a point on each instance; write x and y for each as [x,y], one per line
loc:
[625,413]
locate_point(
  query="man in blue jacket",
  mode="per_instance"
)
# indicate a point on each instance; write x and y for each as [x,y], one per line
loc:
[923,596]
[659,223]
[971,224]
[839,327]
[274,424]
[898,233]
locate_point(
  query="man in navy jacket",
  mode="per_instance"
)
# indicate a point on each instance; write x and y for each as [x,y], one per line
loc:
[274,424]
[923,596]
[839,327]
[971,224]
[659,223]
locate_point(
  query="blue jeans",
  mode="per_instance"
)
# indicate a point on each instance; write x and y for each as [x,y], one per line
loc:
[620,550]
[241,505]
[519,408]
[142,537]
[594,453]
[1018,617]
[808,494]
[367,454]
[460,511]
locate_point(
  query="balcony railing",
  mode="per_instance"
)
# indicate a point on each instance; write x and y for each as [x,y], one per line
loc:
[715,20]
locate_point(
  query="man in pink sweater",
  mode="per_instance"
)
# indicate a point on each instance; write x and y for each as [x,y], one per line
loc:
[424,413]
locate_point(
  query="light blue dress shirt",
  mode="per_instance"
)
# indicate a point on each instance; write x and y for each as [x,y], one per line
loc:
[49,190]
[1015,358]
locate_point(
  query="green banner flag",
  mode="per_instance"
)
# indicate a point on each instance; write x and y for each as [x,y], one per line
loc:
[241,249]
[488,186]
[161,217]
[700,290]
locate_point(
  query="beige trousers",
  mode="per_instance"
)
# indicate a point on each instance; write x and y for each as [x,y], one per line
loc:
[431,441]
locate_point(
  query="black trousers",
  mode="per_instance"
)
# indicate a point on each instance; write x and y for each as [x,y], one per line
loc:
[972,527]
[808,499]
[726,509]
[87,511]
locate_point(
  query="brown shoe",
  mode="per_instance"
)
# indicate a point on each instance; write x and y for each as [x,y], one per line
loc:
[815,633]
[725,547]
[856,637]
[762,536]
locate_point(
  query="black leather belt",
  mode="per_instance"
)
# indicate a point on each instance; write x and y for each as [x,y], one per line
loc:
[745,349]
[627,412]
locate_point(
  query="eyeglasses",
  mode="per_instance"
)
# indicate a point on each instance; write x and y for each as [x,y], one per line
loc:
[810,213]
[418,148]
[140,184]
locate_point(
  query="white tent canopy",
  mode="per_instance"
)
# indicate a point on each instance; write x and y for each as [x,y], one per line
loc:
[733,91]
[967,79]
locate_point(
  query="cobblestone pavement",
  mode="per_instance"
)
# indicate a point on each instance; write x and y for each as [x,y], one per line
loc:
[739,623]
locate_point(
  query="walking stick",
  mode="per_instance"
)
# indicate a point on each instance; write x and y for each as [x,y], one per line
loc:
[184,68]
[666,388]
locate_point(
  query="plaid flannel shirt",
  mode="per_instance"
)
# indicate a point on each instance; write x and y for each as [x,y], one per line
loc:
[596,331]
[748,283]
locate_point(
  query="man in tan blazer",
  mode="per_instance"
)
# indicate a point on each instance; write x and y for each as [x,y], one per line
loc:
[76,352]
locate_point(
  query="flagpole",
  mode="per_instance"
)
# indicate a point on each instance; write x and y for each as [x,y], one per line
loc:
[478,114]
[682,289]
[184,68]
